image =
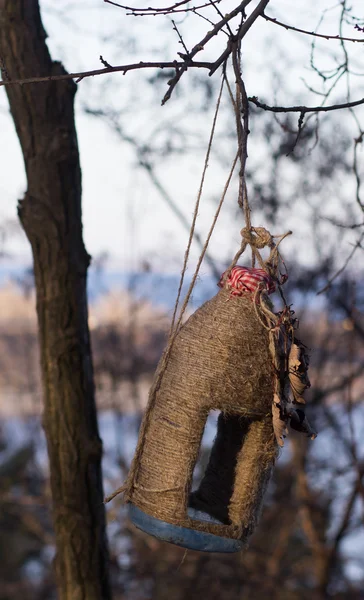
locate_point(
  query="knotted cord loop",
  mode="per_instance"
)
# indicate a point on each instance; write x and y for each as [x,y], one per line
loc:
[257,237]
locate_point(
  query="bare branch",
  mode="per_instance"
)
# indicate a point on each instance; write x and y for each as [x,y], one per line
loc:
[243,30]
[358,328]
[358,140]
[180,67]
[313,33]
[330,282]
[347,513]
[120,68]
[210,34]
[198,14]
[303,109]
[150,11]
[181,41]
[343,225]
[298,135]
[325,392]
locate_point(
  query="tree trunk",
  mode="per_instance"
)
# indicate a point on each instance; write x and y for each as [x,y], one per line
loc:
[51,216]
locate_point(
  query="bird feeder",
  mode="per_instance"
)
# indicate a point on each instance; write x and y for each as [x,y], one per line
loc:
[220,359]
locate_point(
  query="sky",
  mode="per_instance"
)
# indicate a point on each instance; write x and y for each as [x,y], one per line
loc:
[123,214]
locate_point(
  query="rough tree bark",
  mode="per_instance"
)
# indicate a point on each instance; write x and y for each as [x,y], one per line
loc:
[51,216]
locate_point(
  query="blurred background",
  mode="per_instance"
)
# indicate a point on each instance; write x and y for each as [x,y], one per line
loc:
[142,165]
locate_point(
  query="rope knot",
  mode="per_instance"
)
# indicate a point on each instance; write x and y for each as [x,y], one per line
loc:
[257,237]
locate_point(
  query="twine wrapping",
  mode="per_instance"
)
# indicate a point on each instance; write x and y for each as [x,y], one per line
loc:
[219,360]
[231,355]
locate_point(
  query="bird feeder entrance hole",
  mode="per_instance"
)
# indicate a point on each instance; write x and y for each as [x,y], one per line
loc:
[201,517]
[197,508]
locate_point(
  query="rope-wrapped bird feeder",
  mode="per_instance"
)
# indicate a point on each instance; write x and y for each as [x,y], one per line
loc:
[237,356]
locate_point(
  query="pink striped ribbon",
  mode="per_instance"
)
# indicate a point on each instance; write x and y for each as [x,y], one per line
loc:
[247,279]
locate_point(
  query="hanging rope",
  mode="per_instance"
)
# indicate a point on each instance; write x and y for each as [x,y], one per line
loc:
[280,326]
[257,238]
[197,205]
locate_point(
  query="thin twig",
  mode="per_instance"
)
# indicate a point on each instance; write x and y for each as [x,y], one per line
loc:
[181,41]
[358,140]
[303,109]
[343,225]
[150,11]
[298,135]
[330,282]
[214,4]
[198,14]
[105,63]
[313,33]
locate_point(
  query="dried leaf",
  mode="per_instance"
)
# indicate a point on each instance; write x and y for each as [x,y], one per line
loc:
[279,424]
[297,371]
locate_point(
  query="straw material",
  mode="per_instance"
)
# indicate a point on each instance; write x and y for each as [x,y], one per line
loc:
[219,360]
